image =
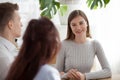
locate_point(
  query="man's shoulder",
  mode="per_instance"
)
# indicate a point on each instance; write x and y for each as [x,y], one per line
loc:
[3,50]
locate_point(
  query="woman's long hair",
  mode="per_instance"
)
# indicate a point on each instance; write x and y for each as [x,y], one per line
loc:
[40,43]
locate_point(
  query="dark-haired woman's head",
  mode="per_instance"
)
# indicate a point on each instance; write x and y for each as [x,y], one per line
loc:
[42,37]
[41,43]
[75,14]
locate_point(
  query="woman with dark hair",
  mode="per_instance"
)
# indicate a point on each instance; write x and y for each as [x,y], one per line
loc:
[41,43]
[78,51]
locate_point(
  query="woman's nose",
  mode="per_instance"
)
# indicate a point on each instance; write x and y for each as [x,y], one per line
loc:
[78,27]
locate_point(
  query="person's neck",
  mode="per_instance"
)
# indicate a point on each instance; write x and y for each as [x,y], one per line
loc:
[9,37]
[81,39]
[53,60]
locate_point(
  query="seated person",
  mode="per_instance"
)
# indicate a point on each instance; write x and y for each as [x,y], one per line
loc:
[78,51]
[10,29]
[41,43]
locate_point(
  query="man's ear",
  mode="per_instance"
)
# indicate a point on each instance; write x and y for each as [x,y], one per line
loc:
[10,24]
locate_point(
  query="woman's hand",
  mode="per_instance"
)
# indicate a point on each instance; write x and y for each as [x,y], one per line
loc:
[61,73]
[82,76]
[73,74]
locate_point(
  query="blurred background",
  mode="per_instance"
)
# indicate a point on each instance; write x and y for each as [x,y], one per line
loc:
[104,25]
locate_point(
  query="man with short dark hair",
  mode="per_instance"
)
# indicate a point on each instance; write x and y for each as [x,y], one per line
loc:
[10,29]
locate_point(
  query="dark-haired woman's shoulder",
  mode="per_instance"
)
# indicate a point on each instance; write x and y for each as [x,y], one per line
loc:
[47,72]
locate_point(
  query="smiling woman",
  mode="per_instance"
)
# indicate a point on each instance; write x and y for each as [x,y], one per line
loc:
[78,51]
